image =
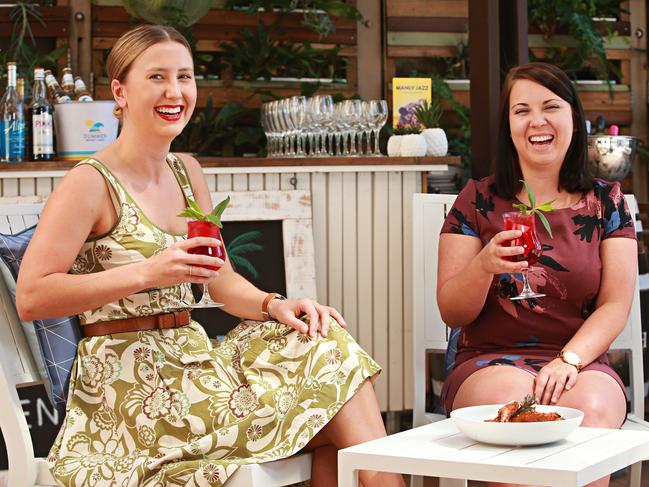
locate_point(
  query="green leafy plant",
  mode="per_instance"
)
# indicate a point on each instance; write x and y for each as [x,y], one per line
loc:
[317,14]
[575,17]
[263,53]
[533,208]
[22,44]
[429,114]
[406,130]
[233,128]
[460,140]
[178,13]
[194,211]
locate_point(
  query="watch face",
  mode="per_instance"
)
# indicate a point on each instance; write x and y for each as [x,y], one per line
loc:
[571,358]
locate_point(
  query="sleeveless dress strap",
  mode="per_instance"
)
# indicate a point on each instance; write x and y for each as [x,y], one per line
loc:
[118,195]
[180,171]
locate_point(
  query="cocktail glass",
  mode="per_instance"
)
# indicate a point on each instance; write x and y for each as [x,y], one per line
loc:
[532,248]
[200,228]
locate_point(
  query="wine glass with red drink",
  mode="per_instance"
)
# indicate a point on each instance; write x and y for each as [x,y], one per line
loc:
[199,228]
[532,248]
[200,224]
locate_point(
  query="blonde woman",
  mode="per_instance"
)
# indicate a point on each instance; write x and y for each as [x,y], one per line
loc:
[151,406]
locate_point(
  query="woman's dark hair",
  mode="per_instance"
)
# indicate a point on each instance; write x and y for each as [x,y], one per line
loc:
[575,175]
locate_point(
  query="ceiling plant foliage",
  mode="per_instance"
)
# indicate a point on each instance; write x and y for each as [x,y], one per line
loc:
[179,13]
[577,18]
[23,48]
[317,14]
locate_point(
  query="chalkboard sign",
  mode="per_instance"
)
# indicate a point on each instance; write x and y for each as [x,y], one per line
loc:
[256,251]
[43,420]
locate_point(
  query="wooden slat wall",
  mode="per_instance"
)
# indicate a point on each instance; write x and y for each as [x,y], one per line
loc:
[220,26]
[362,253]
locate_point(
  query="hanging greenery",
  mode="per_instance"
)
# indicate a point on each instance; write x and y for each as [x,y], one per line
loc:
[178,13]
[260,54]
[22,44]
[316,14]
[232,130]
[576,18]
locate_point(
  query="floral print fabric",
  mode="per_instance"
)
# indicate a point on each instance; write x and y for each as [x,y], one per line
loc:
[170,408]
[568,272]
[134,238]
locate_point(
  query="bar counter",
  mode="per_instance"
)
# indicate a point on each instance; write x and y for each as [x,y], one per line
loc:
[240,162]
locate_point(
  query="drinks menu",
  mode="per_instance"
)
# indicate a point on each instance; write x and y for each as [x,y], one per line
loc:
[407,93]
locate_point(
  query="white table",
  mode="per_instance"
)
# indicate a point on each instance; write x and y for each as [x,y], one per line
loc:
[440,450]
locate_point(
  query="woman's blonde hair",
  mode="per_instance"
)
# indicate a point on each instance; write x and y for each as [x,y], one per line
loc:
[133,43]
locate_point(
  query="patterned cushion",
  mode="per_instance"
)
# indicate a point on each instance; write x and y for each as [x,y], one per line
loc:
[27,326]
[57,337]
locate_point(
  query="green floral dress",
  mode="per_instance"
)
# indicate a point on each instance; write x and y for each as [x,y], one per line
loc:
[169,408]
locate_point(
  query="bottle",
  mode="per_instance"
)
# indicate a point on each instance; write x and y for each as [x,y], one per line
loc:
[2,131]
[81,92]
[42,139]
[13,119]
[20,88]
[54,91]
[67,82]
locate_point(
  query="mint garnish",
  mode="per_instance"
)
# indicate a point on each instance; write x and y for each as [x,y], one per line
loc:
[526,210]
[194,211]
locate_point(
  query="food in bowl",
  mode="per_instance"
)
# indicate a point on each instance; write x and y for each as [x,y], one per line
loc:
[523,412]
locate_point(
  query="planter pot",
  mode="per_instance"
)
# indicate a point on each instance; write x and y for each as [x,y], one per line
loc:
[394,145]
[413,145]
[436,142]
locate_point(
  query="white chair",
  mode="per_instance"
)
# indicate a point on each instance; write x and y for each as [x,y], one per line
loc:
[430,334]
[18,369]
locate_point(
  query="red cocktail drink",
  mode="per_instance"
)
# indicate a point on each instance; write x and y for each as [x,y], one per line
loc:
[201,228]
[198,228]
[532,248]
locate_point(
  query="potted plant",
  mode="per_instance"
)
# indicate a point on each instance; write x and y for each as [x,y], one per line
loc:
[428,115]
[407,141]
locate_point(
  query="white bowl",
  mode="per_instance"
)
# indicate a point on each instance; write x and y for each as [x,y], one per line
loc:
[471,422]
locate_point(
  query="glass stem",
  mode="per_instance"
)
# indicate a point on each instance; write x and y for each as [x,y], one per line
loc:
[526,283]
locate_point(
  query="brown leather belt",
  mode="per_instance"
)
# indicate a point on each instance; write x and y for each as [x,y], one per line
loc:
[162,321]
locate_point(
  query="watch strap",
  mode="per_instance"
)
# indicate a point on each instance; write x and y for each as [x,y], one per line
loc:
[264,304]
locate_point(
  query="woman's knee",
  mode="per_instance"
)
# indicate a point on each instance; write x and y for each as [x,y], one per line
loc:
[599,412]
[494,385]
[600,398]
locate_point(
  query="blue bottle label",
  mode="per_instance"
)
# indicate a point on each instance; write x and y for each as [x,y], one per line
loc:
[16,139]
[3,149]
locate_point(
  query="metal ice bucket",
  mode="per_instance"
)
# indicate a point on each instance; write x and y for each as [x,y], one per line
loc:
[611,156]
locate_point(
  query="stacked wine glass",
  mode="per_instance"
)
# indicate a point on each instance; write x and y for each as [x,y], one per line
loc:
[318,127]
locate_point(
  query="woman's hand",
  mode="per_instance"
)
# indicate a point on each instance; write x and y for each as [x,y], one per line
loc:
[288,311]
[556,377]
[492,256]
[176,265]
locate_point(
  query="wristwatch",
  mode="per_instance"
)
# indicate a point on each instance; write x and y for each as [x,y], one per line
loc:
[571,358]
[269,297]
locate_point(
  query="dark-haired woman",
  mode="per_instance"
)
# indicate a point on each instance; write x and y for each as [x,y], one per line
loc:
[554,346]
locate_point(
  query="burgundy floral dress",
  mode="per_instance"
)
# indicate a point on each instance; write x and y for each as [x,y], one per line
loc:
[529,333]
